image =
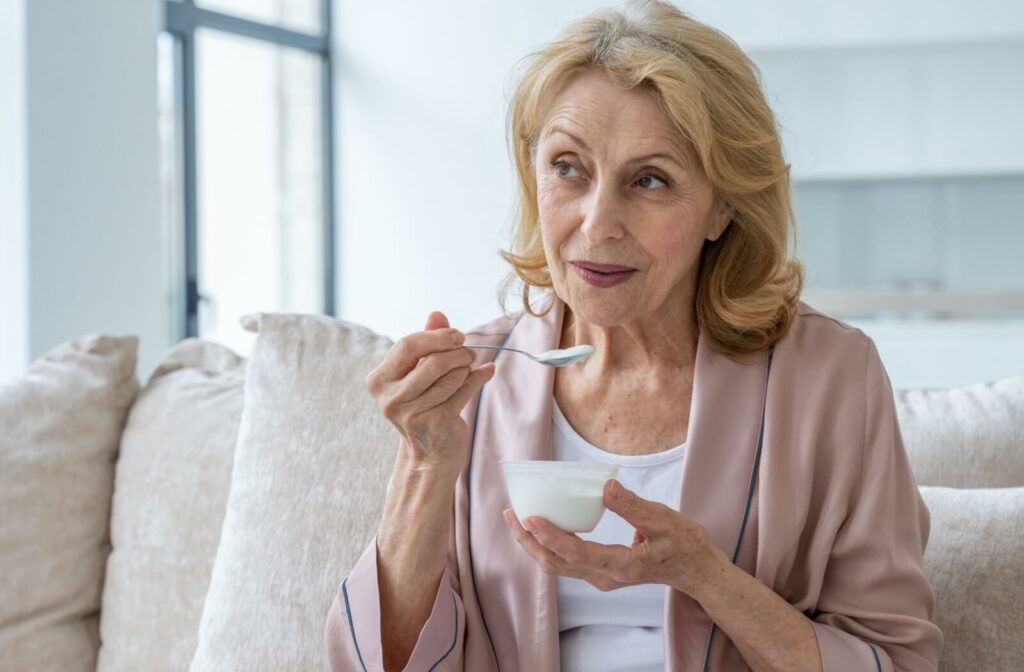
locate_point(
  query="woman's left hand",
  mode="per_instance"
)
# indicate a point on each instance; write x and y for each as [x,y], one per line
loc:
[668,548]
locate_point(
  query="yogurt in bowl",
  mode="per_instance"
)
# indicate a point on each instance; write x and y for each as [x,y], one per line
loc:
[569,495]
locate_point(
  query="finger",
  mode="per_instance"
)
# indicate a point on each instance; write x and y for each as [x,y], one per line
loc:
[594,577]
[548,561]
[407,352]
[609,559]
[435,371]
[436,320]
[643,514]
[438,394]
[471,387]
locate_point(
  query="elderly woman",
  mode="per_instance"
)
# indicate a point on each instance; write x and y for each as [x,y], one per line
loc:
[765,516]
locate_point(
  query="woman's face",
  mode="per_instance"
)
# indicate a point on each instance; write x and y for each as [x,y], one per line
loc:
[624,210]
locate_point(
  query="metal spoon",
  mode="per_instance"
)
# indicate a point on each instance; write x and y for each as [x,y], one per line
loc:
[559,358]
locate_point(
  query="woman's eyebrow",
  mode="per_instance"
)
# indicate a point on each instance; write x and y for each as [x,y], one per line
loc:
[574,138]
[639,159]
[656,155]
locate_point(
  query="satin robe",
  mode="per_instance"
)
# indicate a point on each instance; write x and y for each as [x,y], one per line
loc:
[795,466]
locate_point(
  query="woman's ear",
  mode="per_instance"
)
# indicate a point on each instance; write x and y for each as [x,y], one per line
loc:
[722,219]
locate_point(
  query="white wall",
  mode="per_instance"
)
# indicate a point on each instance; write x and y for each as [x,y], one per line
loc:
[425,184]
[936,109]
[789,24]
[424,180]
[13,215]
[93,257]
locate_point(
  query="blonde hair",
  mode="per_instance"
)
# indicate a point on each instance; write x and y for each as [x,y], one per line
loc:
[748,286]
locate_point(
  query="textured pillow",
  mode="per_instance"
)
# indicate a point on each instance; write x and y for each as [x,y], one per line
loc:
[965,437]
[975,561]
[171,488]
[311,465]
[60,424]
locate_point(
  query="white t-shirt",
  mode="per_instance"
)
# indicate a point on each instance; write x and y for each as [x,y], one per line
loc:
[620,629]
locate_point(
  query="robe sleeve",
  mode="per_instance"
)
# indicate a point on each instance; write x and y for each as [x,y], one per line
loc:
[876,607]
[353,634]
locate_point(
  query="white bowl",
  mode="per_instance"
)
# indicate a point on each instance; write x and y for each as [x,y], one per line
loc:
[569,495]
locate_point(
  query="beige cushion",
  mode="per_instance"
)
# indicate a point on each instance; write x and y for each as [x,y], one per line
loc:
[975,560]
[965,437]
[173,476]
[60,424]
[311,464]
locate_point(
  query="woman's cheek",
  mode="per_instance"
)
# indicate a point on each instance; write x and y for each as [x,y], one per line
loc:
[556,219]
[548,196]
[671,239]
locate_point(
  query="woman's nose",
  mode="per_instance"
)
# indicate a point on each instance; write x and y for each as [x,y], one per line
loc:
[602,215]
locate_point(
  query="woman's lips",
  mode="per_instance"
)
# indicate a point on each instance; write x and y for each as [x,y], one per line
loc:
[602,275]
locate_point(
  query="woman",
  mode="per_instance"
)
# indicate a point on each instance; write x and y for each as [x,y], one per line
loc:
[765,517]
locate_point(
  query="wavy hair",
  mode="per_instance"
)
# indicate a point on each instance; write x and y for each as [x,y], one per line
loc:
[748,285]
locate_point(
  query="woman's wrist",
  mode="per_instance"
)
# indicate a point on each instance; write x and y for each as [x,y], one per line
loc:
[705,586]
[769,632]
[412,463]
[419,500]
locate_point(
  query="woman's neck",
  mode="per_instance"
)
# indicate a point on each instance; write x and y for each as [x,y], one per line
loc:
[632,396]
[658,344]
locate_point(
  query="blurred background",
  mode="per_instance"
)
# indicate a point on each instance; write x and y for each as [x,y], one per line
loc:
[168,166]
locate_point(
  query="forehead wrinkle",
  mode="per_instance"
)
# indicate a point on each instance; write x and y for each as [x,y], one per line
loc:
[589,109]
[675,151]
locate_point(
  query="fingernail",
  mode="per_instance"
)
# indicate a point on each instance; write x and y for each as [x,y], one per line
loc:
[507,515]
[458,337]
[616,489]
[529,525]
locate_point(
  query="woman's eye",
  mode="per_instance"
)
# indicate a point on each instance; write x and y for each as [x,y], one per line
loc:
[651,182]
[646,182]
[564,169]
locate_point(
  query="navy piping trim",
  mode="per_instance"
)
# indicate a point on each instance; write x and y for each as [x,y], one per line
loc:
[351,625]
[878,663]
[707,651]
[750,495]
[454,639]
[469,491]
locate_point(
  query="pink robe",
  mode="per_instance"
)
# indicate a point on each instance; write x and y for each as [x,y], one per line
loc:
[795,465]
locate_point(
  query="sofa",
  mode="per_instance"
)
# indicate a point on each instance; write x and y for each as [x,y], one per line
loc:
[202,519]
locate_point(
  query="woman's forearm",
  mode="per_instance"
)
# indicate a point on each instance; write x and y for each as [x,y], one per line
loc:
[770,633]
[412,549]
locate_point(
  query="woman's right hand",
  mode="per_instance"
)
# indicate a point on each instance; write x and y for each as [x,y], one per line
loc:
[422,386]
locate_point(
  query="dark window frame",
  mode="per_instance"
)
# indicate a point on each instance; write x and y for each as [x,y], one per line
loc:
[182,18]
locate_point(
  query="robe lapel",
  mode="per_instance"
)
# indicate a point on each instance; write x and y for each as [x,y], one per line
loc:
[725,423]
[517,599]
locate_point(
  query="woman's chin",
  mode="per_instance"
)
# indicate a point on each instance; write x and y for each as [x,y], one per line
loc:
[603,312]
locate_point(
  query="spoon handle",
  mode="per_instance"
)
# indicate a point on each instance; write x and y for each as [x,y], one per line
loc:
[498,347]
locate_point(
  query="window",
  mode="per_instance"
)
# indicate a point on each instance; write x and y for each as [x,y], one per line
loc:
[246,137]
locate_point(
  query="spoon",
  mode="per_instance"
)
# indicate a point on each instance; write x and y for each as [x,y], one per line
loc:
[559,358]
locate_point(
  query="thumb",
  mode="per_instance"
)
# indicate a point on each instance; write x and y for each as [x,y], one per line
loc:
[634,509]
[437,320]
